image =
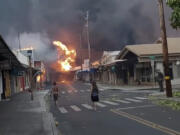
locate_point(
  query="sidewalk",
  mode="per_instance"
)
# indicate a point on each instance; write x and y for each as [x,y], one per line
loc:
[133,87]
[21,116]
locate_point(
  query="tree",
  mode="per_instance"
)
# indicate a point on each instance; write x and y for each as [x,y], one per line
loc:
[175,16]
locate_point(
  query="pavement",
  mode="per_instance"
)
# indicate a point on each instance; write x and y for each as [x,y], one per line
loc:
[134,87]
[21,116]
[118,112]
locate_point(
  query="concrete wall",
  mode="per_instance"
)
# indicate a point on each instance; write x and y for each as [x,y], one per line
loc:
[176,70]
[159,66]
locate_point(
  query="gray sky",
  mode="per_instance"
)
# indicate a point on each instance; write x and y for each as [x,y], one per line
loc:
[112,23]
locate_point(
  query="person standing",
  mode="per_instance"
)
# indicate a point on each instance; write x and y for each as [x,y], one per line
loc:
[94,94]
[55,91]
[160,81]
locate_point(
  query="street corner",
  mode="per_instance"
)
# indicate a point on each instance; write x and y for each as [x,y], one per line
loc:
[171,102]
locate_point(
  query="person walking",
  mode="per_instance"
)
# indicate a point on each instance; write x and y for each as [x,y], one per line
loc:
[94,94]
[55,91]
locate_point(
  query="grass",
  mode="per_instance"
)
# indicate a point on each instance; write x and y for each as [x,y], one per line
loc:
[176,94]
[169,103]
[175,105]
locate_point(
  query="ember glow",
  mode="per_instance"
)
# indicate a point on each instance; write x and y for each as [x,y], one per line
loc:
[38,78]
[28,48]
[66,57]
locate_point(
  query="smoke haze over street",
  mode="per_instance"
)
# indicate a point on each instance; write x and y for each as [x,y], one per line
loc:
[112,24]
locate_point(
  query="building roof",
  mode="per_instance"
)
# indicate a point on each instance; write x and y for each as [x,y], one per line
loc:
[152,49]
[109,57]
[7,54]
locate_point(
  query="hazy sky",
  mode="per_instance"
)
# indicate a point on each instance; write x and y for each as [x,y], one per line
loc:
[112,23]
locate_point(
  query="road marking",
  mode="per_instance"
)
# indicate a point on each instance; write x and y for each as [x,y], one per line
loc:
[88,90]
[62,110]
[87,106]
[141,98]
[109,102]
[75,108]
[81,90]
[147,123]
[100,105]
[101,89]
[134,107]
[122,101]
[133,100]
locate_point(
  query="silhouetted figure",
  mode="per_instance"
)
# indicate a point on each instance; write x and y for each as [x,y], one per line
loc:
[160,81]
[55,91]
[94,94]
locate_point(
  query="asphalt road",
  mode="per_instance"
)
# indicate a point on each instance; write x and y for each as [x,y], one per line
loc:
[118,113]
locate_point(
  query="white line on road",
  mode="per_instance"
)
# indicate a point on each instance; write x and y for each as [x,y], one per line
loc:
[88,90]
[109,102]
[134,107]
[133,100]
[122,101]
[81,90]
[100,105]
[87,106]
[75,108]
[140,98]
[62,110]
[69,91]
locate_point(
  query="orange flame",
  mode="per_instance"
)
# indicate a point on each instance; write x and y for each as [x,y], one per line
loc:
[65,59]
[28,48]
[38,78]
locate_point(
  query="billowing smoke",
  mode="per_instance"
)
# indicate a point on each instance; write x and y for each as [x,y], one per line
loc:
[39,41]
[112,23]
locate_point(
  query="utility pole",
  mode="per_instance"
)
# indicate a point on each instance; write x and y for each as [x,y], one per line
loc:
[89,47]
[80,40]
[165,50]
[19,39]
[88,42]
[30,77]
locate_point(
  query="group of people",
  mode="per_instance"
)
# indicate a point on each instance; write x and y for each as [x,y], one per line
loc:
[94,93]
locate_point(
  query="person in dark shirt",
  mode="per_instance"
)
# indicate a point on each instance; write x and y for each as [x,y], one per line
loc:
[94,94]
[55,92]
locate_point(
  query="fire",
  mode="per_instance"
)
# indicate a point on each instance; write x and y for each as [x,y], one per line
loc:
[38,78]
[65,57]
[28,48]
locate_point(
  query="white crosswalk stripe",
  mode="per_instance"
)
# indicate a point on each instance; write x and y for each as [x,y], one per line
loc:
[109,102]
[62,110]
[100,105]
[87,106]
[75,91]
[75,108]
[81,90]
[88,90]
[133,100]
[141,98]
[122,101]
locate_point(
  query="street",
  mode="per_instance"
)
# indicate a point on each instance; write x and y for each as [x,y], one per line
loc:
[75,114]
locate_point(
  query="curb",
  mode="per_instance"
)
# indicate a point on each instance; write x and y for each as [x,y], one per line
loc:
[49,122]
